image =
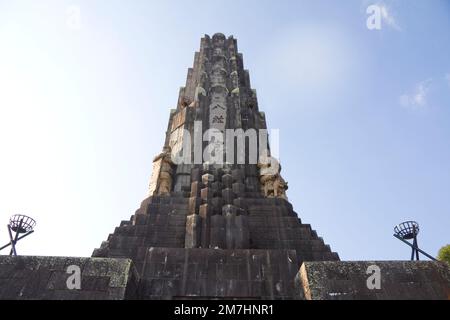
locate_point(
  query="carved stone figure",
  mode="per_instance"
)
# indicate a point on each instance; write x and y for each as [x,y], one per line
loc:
[185,102]
[280,186]
[267,185]
[272,183]
[165,175]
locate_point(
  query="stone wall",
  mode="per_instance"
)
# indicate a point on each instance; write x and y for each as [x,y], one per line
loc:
[399,280]
[45,278]
[179,273]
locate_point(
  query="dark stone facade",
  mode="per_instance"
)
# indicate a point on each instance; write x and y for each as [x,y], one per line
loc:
[45,278]
[154,239]
[271,225]
[171,273]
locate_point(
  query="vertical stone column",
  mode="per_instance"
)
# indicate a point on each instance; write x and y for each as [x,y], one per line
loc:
[237,231]
[193,220]
[227,192]
[193,231]
[218,230]
[242,232]
[238,182]
[206,208]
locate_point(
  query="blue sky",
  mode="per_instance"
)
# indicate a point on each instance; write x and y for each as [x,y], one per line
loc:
[363,114]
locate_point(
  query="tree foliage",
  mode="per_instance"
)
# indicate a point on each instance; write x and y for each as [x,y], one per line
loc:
[444,254]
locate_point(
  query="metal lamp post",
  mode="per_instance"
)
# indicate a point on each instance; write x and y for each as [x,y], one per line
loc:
[19,227]
[408,231]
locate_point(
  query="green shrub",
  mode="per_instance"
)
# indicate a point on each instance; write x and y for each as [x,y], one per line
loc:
[444,254]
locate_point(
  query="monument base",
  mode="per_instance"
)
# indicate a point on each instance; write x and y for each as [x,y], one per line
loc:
[177,273]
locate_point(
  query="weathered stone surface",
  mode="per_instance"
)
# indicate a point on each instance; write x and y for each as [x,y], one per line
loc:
[32,277]
[193,231]
[171,273]
[347,280]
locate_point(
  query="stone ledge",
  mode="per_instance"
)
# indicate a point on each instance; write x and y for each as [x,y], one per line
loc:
[399,280]
[45,278]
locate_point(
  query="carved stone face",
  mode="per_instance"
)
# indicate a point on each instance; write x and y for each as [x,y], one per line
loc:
[218,39]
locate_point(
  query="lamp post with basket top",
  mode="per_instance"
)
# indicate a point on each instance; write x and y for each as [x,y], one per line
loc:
[408,231]
[19,227]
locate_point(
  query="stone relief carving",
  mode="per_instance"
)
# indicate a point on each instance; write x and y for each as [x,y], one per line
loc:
[272,183]
[218,52]
[218,39]
[233,63]
[280,186]
[234,79]
[165,178]
[185,102]
[199,91]
[218,111]
[203,79]
[218,76]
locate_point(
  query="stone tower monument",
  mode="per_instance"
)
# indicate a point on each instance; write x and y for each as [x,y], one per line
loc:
[217,222]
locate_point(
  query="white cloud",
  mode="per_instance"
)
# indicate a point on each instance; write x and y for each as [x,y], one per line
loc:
[447,77]
[418,98]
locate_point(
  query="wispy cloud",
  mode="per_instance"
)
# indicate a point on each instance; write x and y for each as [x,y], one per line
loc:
[417,98]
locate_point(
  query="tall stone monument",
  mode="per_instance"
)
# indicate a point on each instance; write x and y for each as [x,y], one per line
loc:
[217,222]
